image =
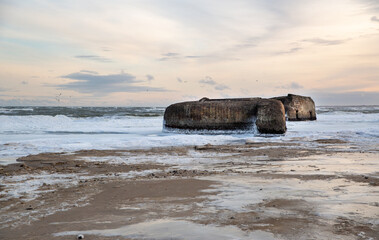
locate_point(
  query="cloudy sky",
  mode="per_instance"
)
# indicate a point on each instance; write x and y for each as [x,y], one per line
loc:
[156,52]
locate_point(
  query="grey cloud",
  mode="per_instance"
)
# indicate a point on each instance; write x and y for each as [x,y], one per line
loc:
[175,56]
[209,57]
[24,83]
[169,56]
[149,77]
[324,42]
[94,58]
[180,80]
[194,56]
[371,6]
[292,50]
[104,84]
[375,19]
[292,85]
[215,56]
[88,71]
[295,85]
[220,87]
[207,80]
[245,45]
[112,78]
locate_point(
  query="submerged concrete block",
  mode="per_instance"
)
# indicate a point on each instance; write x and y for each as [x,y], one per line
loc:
[227,114]
[298,108]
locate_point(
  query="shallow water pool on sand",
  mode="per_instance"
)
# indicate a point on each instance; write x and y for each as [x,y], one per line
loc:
[175,229]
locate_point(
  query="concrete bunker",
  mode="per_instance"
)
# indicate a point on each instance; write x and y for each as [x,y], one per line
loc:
[298,108]
[227,114]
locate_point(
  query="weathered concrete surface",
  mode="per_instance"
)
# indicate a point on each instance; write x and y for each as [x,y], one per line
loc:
[227,114]
[270,117]
[298,108]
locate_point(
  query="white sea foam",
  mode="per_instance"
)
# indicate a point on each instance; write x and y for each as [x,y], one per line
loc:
[7,110]
[30,186]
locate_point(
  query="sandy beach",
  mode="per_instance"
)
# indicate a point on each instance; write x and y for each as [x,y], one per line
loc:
[327,189]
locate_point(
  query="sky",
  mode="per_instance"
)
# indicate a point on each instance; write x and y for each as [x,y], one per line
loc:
[157,52]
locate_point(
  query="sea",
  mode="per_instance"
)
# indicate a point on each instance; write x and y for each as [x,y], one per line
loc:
[33,130]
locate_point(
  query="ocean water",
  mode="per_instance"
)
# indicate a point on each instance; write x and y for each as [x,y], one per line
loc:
[32,130]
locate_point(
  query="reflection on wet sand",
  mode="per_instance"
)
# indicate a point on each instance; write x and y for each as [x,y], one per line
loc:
[176,229]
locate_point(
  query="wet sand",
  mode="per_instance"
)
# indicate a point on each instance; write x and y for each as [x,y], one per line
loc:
[257,190]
